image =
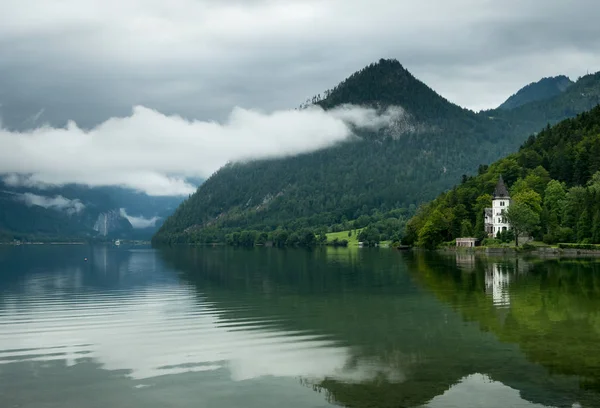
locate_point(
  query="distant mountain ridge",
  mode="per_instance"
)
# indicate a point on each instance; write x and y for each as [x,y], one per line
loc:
[381,171]
[543,89]
[74,212]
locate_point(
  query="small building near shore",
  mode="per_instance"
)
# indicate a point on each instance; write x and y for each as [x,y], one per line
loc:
[466,242]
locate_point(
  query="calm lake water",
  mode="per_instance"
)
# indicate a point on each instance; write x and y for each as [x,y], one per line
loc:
[289,328]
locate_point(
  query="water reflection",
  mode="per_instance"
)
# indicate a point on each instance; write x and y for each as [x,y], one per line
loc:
[159,328]
[365,328]
[421,347]
[549,308]
[497,279]
[479,390]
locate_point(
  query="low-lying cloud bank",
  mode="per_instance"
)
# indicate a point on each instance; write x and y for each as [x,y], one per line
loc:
[58,202]
[154,153]
[139,222]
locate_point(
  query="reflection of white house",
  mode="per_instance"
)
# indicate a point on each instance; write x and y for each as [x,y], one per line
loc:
[497,280]
[495,221]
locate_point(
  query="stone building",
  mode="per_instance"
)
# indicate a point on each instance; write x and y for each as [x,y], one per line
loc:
[466,242]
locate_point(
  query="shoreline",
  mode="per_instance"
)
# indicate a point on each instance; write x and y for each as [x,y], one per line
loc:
[42,243]
[125,243]
[544,252]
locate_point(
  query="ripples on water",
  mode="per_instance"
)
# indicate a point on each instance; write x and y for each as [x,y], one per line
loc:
[139,328]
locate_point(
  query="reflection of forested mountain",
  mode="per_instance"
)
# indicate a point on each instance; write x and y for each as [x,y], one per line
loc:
[94,267]
[378,303]
[554,313]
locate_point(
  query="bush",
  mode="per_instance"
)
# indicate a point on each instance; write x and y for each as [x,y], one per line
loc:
[528,247]
[491,242]
[505,236]
[336,242]
[579,246]
[565,234]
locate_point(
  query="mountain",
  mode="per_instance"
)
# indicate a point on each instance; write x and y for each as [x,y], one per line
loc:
[545,88]
[554,177]
[57,213]
[402,165]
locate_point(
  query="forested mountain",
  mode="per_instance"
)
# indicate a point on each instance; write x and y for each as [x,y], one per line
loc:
[545,88]
[554,181]
[80,212]
[378,172]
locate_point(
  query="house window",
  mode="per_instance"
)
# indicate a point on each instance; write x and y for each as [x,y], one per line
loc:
[499,220]
[503,228]
[501,203]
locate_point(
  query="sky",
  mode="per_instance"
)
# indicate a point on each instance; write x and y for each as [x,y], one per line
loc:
[96,62]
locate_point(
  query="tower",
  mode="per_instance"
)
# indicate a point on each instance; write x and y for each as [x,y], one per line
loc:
[500,203]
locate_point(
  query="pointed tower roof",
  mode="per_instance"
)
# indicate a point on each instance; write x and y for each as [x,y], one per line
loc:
[501,191]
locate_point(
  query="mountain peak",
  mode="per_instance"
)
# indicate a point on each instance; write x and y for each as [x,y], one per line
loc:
[545,88]
[388,83]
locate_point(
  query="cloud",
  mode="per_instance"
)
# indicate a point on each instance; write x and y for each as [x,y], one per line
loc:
[58,202]
[139,222]
[88,61]
[154,153]
[369,118]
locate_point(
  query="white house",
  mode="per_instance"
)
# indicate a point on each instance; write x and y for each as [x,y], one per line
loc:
[495,221]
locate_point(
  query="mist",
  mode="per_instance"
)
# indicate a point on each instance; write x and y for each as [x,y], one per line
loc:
[139,222]
[154,153]
[58,203]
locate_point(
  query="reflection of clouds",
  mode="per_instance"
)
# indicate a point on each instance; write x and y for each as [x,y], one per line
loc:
[477,390]
[162,329]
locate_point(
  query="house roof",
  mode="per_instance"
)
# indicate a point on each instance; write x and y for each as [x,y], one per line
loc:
[501,191]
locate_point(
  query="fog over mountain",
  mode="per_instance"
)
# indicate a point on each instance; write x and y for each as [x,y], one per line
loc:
[153,153]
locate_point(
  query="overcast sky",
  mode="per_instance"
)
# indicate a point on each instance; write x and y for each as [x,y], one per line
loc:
[90,60]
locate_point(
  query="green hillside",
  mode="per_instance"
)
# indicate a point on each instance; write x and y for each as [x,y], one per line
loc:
[545,88]
[379,172]
[554,178]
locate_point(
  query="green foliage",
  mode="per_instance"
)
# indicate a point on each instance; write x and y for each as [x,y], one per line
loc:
[505,236]
[530,199]
[434,231]
[369,236]
[336,242]
[555,186]
[528,247]
[466,228]
[522,218]
[579,246]
[491,242]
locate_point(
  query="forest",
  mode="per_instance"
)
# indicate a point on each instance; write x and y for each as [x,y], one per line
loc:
[554,183]
[375,174]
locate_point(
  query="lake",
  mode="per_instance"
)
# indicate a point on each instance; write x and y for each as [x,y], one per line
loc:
[198,327]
